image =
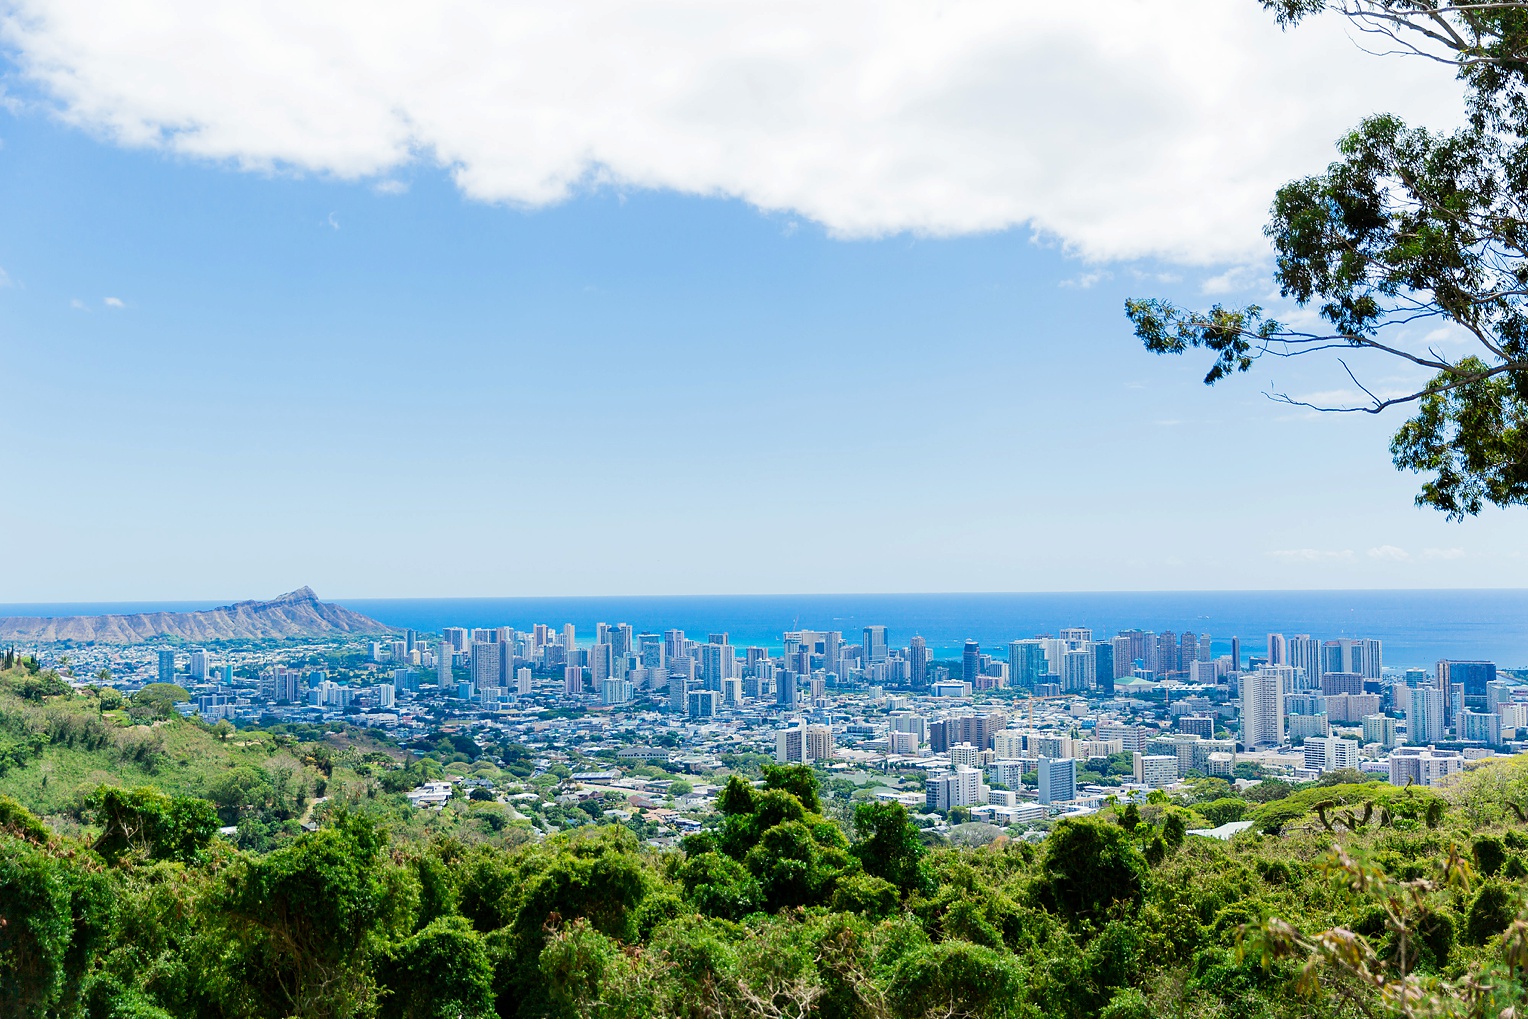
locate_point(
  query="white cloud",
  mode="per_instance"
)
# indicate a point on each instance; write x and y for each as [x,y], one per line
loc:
[334,221]
[5,279]
[1443,553]
[1311,555]
[113,302]
[1390,553]
[77,304]
[390,187]
[1234,279]
[1086,280]
[1127,128]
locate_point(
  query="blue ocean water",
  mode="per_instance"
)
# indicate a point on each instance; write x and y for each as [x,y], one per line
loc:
[1418,627]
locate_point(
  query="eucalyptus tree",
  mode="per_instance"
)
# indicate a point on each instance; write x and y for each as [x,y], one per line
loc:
[1408,231]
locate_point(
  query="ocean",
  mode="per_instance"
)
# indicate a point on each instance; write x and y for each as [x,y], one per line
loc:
[1418,628]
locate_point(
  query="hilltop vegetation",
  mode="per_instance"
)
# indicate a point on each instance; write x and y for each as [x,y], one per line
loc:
[124,903]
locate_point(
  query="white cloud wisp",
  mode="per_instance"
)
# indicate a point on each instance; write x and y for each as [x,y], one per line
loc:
[1130,128]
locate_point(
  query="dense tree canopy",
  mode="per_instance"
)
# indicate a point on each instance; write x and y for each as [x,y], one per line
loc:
[1409,230]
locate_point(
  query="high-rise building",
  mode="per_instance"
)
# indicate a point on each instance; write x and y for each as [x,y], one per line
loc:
[1167,653]
[1480,727]
[819,743]
[167,666]
[1276,653]
[621,639]
[1131,737]
[456,636]
[1380,729]
[652,653]
[1142,649]
[716,662]
[1103,667]
[1202,726]
[1188,650]
[790,745]
[523,682]
[1372,662]
[615,691]
[1262,706]
[1331,753]
[601,663]
[785,690]
[1425,718]
[963,788]
[1343,655]
[443,653]
[701,704]
[1475,677]
[1077,671]
[1156,771]
[978,730]
[673,644]
[679,693]
[1026,663]
[1341,682]
[970,661]
[1303,652]
[875,644]
[485,669]
[917,663]
[198,665]
[1057,779]
[1423,765]
[573,681]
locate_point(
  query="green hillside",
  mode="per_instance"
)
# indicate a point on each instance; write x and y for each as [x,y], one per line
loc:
[1345,898]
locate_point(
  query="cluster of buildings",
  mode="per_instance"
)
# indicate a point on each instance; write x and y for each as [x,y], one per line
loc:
[1039,727]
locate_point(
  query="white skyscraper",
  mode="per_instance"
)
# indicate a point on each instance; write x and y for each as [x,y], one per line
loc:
[1425,719]
[443,664]
[1302,651]
[485,669]
[1262,707]
[1276,651]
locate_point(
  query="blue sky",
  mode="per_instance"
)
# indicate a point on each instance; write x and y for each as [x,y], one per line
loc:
[229,380]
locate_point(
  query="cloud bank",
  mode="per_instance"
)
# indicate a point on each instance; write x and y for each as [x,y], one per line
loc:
[1121,129]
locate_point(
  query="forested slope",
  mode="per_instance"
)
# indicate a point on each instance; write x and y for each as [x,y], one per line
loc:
[138,910]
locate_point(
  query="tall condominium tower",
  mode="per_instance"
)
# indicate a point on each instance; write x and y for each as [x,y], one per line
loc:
[1303,652]
[1262,707]
[917,662]
[875,644]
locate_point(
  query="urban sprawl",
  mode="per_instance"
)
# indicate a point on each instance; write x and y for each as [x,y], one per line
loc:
[1045,727]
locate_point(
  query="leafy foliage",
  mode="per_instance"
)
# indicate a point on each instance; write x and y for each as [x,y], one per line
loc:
[1408,228]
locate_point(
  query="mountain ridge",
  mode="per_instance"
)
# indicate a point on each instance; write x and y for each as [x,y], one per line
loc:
[297,613]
